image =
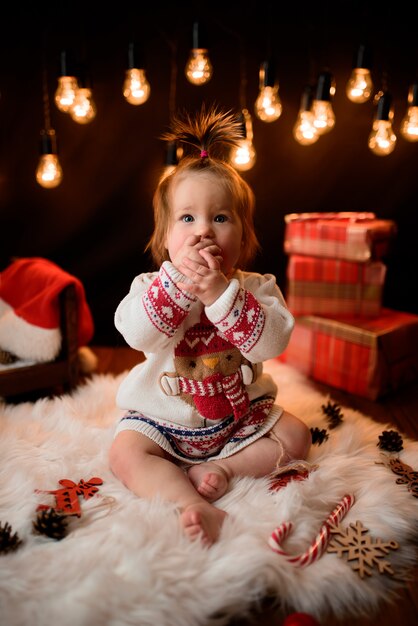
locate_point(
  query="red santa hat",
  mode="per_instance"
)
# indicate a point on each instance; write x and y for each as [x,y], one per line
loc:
[30,309]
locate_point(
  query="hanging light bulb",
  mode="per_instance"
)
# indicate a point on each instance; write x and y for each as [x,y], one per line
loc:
[67,85]
[409,124]
[48,172]
[83,110]
[360,85]
[243,156]
[304,130]
[136,88]
[324,118]
[172,157]
[198,68]
[382,139]
[268,106]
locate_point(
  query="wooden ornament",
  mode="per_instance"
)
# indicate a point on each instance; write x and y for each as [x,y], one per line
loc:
[361,551]
[67,502]
[408,476]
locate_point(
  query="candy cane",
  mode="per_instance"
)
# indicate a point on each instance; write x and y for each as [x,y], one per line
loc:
[319,544]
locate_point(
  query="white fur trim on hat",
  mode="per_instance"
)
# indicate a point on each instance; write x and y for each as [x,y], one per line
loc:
[25,340]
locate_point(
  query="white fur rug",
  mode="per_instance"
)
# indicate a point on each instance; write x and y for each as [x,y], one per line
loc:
[125,561]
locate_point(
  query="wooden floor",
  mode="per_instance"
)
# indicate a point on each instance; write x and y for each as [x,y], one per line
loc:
[400,410]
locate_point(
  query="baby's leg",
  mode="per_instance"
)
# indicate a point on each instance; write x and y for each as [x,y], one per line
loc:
[289,439]
[210,479]
[146,470]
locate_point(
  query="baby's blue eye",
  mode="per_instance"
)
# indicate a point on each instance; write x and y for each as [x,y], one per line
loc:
[187,218]
[221,218]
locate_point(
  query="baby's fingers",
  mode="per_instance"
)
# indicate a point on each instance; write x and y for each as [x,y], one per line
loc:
[214,262]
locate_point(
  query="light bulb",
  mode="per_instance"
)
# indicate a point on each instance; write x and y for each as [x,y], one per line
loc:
[67,84]
[83,109]
[409,124]
[304,130]
[360,85]
[65,93]
[136,88]
[48,172]
[243,155]
[173,154]
[268,107]
[324,118]
[382,139]
[198,67]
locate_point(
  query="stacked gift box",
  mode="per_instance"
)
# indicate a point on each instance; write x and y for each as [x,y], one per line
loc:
[334,287]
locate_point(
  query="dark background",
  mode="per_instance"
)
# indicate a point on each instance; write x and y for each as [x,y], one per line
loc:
[96,223]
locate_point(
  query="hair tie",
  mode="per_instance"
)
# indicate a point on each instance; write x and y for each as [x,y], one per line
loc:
[203,154]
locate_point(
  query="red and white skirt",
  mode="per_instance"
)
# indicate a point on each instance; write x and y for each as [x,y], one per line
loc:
[218,441]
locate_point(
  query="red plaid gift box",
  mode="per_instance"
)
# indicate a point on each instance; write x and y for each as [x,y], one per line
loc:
[334,287]
[367,357]
[351,236]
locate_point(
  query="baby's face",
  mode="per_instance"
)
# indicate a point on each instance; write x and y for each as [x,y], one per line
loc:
[201,206]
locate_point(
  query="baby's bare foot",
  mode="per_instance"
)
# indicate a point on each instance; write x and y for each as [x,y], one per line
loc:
[209,479]
[202,520]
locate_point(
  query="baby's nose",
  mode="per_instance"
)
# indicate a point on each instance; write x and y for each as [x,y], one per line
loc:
[206,230]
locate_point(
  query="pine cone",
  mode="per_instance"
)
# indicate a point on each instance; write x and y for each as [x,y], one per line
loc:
[334,414]
[391,441]
[8,542]
[51,524]
[319,436]
[7,357]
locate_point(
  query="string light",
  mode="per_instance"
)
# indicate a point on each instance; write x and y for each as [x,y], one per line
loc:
[382,139]
[360,85]
[67,85]
[136,88]
[48,171]
[409,124]
[243,156]
[173,151]
[83,109]
[199,68]
[268,106]
[324,117]
[304,130]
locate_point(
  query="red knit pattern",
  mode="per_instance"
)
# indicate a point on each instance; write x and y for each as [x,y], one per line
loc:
[217,396]
[244,323]
[163,304]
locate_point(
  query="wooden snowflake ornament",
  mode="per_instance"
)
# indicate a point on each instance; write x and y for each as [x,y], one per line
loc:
[407,475]
[361,550]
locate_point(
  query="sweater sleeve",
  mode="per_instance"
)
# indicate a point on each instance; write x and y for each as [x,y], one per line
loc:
[252,314]
[151,313]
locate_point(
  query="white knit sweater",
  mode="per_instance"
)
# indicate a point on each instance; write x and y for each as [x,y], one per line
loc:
[250,315]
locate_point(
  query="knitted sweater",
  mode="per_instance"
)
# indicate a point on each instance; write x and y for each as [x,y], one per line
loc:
[201,363]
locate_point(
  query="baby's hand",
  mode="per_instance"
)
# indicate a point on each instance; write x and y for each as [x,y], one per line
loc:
[190,251]
[207,279]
